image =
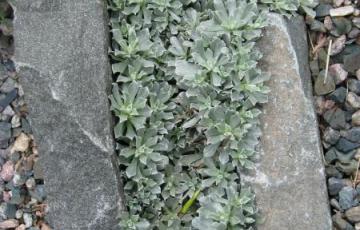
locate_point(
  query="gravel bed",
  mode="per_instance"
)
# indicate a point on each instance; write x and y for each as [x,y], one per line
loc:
[335,65]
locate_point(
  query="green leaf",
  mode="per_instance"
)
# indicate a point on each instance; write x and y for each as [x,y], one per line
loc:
[210,150]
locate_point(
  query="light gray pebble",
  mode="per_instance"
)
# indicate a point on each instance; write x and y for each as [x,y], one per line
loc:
[28,221]
[15,121]
[30,183]
[19,214]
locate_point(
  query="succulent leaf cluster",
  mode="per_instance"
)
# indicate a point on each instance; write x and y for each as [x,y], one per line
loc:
[186,99]
[289,7]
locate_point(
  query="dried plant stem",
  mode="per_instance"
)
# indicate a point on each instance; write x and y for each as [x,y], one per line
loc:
[327,62]
[311,42]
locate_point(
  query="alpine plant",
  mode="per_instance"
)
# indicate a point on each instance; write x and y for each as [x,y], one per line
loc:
[186,96]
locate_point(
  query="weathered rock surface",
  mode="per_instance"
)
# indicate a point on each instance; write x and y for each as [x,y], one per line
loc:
[61,55]
[289,179]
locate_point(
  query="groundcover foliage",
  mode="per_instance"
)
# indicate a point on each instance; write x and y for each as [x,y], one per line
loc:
[186,96]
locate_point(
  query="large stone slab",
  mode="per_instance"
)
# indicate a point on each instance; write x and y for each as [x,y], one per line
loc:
[61,55]
[289,180]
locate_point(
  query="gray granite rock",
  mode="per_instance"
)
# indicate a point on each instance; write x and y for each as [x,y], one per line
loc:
[289,179]
[347,197]
[61,56]
[345,145]
[335,185]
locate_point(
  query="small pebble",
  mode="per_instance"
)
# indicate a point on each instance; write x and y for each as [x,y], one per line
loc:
[338,71]
[356,118]
[345,145]
[342,11]
[340,223]
[7,171]
[28,221]
[328,23]
[356,12]
[21,227]
[353,100]
[357,226]
[30,183]
[354,33]
[357,157]
[45,227]
[19,214]
[8,85]
[352,62]
[8,111]
[338,3]
[335,204]
[5,134]
[335,185]
[338,45]
[331,135]
[347,197]
[353,214]
[6,196]
[352,134]
[339,95]
[11,223]
[15,121]
[354,86]
[336,118]
[323,10]
[18,180]
[21,143]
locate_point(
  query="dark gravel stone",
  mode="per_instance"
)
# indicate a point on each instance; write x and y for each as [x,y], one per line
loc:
[344,145]
[342,26]
[3,72]
[5,134]
[9,65]
[8,85]
[38,193]
[348,167]
[352,135]
[323,10]
[335,118]
[352,62]
[7,99]
[332,171]
[26,128]
[10,211]
[345,157]
[347,197]
[317,26]
[335,204]
[323,87]
[338,95]
[349,49]
[331,155]
[354,33]
[358,189]
[354,85]
[331,135]
[16,196]
[335,185]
